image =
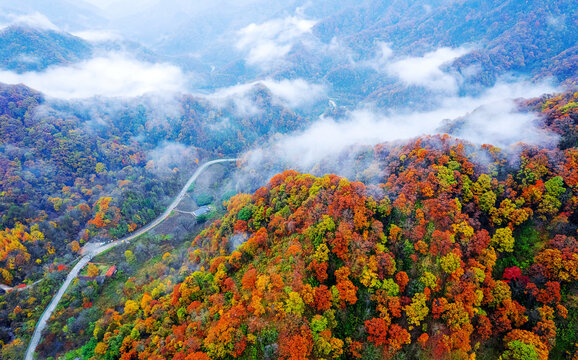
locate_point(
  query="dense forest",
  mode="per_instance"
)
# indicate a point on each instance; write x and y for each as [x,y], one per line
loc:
[28,49]
[459,251]
[61,166]
[401,181]
[67,179]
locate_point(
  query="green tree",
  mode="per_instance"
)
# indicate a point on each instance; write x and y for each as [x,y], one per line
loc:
[129,256]
[100,168]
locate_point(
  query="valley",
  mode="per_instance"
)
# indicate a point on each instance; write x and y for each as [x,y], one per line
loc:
[288,180]
[95,251]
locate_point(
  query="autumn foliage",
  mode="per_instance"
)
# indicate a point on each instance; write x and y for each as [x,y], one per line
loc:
[446,257]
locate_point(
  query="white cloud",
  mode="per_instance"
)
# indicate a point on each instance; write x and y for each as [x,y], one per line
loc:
[296,94]
[500,124]
[490,118]
[557,22]
[329,137]
[237,95]
[270,41]
[382,59]
[36,20]
[170,155]
[115,75]
[30,59]
[98,35]
[426,70]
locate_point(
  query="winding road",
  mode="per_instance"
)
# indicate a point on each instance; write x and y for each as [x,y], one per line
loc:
[96,251]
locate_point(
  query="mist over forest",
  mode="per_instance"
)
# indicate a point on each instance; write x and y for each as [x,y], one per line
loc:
[404,185]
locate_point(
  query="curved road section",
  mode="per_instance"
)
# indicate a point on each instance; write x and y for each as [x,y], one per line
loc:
[93,252]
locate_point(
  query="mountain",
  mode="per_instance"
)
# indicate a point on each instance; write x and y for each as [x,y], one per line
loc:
[303,260]
[24,48]
[69,15]
[48,148]
[388,196]
[445,258]
[72,171]
[180,27]
[514,36]
[492,41]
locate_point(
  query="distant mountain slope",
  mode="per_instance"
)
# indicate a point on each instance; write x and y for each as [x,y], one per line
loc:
[179,27]
[70,15]
[520,36]
[530,39]
[24,48]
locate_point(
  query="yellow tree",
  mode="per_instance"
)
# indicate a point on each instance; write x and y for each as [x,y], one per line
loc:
[74,246]
[92,270]
[503,240]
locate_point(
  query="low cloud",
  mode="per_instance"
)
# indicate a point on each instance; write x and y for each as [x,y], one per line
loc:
[35,20]
[491,118]
[296,94]
[382,58]
[329,137]
[557,22]
[170,157]
[270,41]
[501,124]
[115,75]
[98,35]
[427,70]
[236,96]
[30,59]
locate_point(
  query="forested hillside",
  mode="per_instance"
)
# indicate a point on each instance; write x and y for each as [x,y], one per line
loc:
[61,186]
[66,178]
[391,179]
[27,49]
[460,251]
[520,36]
